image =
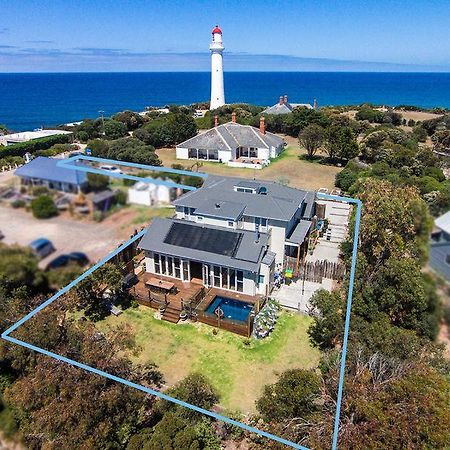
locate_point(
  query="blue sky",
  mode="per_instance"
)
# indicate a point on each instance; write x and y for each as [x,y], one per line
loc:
[151,35]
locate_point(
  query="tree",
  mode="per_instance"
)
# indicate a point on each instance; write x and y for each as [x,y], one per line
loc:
[115,129]
[341,143]
[327,310]
[131,119]
[194,389]
[167,130]
[18,269]
[395,222]
[99,147]
[312,138]
[60,406]
[133,150]
[97,182]
[43,207]
[294,395]
[89,294]
[398,290]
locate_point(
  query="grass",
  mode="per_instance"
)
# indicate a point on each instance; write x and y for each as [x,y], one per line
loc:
[238,369]
[144,214]
[300,172]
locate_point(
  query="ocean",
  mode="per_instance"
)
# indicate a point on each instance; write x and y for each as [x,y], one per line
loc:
[28,101]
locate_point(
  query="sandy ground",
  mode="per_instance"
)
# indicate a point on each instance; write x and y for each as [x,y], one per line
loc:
[415,115]
[94,239]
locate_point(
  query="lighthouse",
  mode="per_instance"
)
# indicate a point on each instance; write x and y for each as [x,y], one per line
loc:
[217,48]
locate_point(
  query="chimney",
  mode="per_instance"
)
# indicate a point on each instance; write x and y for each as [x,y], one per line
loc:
[233,117]
[285,99]
[281,99]
[216,121]
[262,125]
[315,104]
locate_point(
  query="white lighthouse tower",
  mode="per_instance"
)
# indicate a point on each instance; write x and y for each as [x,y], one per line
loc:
[217,91]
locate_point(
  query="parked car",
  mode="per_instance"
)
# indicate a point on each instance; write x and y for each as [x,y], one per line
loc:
[59,261]
[79,257]
[112,169]
[42,247]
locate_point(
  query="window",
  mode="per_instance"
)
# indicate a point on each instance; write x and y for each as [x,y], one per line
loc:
[186,270]
[260,279]
[177,268]
[231,223]
[170,266]
[217,276]
[157,263]
[199,219]
[225,278]
[232,275]
[240,281]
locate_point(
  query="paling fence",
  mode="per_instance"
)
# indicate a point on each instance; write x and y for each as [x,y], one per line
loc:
[315,271]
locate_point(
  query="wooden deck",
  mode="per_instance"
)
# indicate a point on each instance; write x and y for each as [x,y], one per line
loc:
[195,298]
[241,328]
[185,295]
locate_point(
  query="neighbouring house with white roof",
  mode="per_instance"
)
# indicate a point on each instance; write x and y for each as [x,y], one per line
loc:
[25,136]
[231,234]
[284,107]
[234,144]
[150,194]
[440,246]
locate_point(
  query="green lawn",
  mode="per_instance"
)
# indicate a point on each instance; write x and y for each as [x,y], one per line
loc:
[236,368]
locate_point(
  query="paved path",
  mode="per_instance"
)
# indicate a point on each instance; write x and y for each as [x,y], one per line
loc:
[297,294]
[94,239]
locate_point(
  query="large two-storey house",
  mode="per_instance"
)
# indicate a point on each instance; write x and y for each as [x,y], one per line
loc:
[231,234]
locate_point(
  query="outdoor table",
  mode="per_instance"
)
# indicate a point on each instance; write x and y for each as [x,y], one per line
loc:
[166,286]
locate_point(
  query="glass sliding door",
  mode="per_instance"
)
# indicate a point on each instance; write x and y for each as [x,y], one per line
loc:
[240,281]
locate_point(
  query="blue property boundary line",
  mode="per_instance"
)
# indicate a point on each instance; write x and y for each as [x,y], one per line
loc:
[68,165]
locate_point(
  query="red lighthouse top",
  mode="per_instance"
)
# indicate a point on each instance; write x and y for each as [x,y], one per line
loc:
[217,30]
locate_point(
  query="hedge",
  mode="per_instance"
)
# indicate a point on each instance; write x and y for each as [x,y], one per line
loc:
[32,146]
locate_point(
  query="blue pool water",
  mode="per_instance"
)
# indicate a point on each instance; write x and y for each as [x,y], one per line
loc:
[232,309]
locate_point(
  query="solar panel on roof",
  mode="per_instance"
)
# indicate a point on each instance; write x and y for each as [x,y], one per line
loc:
[221,242]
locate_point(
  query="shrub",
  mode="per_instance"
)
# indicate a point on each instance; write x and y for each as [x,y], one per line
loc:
[33,146]
[121,198]
[40,190]
[43,207]
[18,204]
[97,182]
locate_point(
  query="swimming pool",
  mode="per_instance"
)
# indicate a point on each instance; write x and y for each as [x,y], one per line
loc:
[232,309]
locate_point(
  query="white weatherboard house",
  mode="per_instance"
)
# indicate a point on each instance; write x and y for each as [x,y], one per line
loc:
[234,144]
[231,234]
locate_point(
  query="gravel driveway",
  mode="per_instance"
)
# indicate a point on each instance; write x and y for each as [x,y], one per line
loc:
[94,239]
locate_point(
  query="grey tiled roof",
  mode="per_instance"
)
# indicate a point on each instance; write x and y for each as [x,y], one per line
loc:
[226,210]
[280,202]
[247,256]
[231,136]
[300,231]
[269,258]
[285,108]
